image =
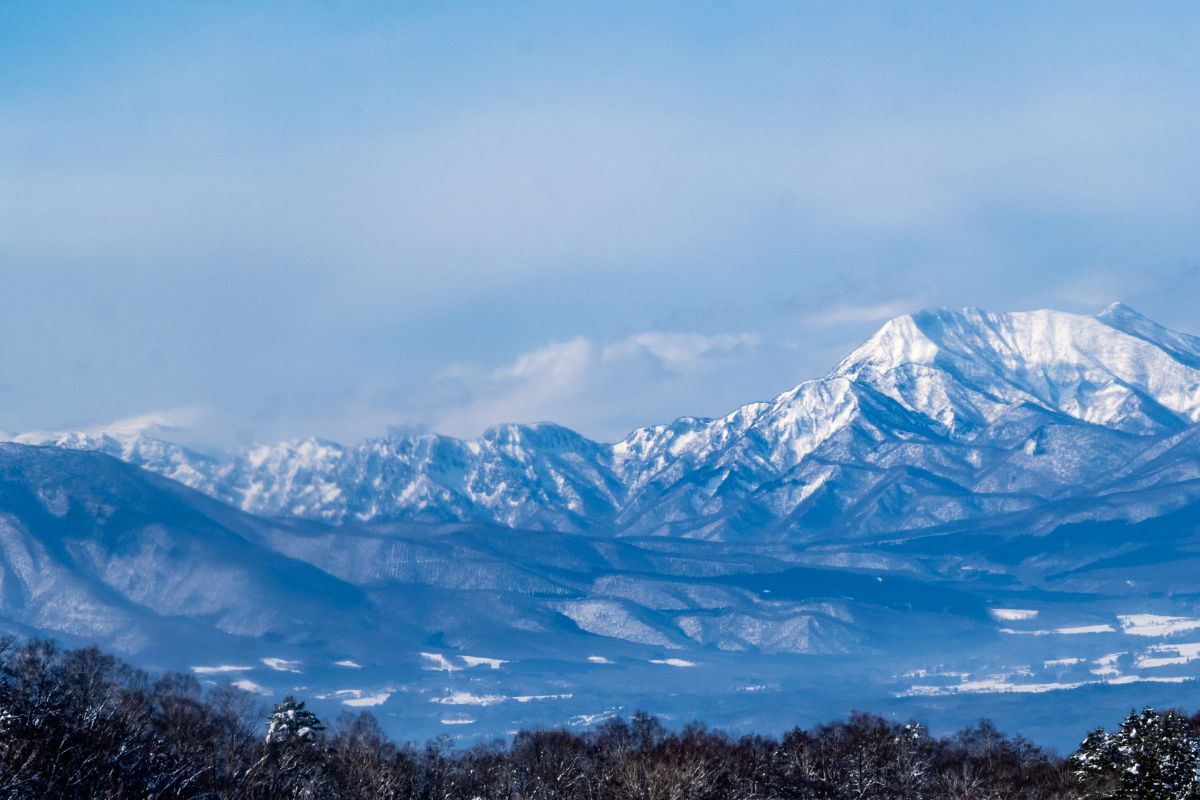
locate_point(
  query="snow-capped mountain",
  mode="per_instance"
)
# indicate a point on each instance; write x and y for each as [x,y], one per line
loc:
[1075,610]
[970,504]
[940,416]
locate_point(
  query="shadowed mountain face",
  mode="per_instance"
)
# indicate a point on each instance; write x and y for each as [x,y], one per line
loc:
[976,513]
[93,547]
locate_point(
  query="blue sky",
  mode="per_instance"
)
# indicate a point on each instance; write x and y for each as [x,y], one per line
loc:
[260,220]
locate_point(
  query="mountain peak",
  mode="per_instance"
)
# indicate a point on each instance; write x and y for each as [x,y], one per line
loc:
[1116,369]
[1118,310]
[900,341]
[934,337]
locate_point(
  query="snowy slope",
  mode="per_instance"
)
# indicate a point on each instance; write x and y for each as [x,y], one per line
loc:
[485,628]
[94,548]
[940,416]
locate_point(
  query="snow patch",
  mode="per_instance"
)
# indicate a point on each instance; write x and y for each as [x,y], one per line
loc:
[222,669]
[580,720]
[1125,679]
[1156,625]
[250,686]
[1107,665]
[459,698]
[1084,629]
[1077,630]
[1000,685]
[1012,614]
[1183,654]
[1061,662]
[469,699]
[478,661]
[439,663]
[526,698]
[367,701]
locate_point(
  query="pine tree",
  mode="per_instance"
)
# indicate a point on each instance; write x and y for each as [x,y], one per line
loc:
[1151,756]
[291,722]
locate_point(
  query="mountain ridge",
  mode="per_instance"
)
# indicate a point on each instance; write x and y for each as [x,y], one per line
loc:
[970,397]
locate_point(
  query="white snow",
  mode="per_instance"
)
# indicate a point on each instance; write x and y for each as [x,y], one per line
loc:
[1012,614]
[526,698]
[439,663]
[1156,625]
[1084,629]
[459,698]
[997,685]
[1183,654]
[250,686]
[368,700]
[1107,665]
[477,661]
[1001,684]
[358,698]
[610,618]
[1061,662]
[580,720]
[1077,630]
[1107,671]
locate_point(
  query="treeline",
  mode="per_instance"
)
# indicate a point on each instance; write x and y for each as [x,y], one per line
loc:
[81,724]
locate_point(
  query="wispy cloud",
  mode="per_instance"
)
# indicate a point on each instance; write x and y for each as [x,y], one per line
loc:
[857,314]
[604,389]
[165,423]
[681,353]
[172,424]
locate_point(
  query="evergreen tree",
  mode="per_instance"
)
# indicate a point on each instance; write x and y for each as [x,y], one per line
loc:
[1151,756]
[291,722]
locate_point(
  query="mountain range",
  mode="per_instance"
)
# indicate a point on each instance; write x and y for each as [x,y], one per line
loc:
[970,506]
[940,416]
